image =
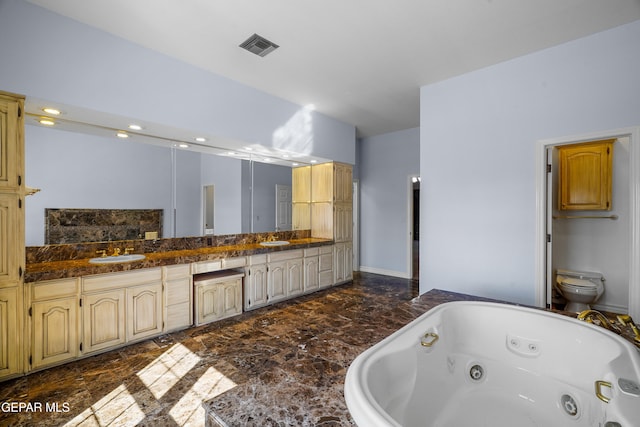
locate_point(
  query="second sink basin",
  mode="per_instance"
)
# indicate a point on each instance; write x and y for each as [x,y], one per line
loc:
[116,259]
[275,243]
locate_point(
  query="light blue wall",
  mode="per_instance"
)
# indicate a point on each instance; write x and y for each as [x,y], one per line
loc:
[385,164]
[225,174]
[48,56]
[84,171]
[477,138]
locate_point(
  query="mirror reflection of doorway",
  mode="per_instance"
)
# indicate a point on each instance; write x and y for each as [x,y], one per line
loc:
[208,205]
[283,208]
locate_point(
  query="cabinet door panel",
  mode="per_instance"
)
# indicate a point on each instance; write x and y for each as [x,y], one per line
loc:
[103,320]
[144,311]
[256,292]
[11,146]
[277,281]
[9,240]
[311,274]
[9,342]
[585,176]
[55,331]
[295,277]
[231,298]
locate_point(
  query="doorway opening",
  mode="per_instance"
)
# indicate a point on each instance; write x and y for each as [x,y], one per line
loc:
[414,227]
[557,234]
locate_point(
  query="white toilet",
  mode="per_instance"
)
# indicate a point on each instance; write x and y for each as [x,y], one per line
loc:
[579,288]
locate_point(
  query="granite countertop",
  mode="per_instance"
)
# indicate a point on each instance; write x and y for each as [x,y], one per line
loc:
[51,270]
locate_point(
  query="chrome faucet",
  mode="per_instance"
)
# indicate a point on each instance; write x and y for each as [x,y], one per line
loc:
[589,315]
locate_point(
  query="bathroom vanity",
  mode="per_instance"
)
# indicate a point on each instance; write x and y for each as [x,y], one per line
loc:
[89,309]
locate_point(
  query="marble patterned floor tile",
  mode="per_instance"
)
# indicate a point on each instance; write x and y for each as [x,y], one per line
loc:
[282,365]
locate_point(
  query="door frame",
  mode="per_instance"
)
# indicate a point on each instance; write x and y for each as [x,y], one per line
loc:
[633,133]
[410,219]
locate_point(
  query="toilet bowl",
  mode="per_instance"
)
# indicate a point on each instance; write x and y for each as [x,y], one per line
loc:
[579,288]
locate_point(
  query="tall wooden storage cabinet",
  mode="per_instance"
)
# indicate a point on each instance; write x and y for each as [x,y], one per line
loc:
[331,209]
[12,255]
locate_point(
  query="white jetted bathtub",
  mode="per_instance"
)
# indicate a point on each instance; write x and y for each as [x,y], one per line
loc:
[486,364]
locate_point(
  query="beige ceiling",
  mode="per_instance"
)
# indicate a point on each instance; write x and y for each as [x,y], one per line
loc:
[360,61]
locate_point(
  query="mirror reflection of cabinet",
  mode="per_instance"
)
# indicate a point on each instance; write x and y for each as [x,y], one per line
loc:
[301,197]
[585,175]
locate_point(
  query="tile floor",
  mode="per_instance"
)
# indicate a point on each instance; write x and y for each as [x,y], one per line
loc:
[278,366]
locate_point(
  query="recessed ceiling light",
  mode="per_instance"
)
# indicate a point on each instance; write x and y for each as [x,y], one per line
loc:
[200,139]
[231,153]
[134,126]
[248,148]
[52,111]
[183,145]
[295,164]
[314,161]
[285,156]
[46,121]
[122,135]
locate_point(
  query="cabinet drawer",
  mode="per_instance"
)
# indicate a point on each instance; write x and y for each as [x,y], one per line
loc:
[258,259]
[326,261]
[171,272]
[55,289]
[178,316]
[120,280]
[207,266]
[237,262]
[327,249]
[311,252]
[285,255]
[178,291]
[326,278]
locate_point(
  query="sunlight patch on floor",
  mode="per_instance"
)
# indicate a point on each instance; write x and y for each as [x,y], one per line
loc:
[164,372]
[189,411]
[118,408]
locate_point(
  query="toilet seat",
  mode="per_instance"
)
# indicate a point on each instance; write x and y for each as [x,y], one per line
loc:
[579,286]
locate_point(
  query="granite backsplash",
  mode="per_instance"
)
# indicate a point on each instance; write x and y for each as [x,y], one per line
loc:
[74,251]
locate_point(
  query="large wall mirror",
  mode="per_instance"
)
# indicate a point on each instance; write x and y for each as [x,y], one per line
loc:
[75,169]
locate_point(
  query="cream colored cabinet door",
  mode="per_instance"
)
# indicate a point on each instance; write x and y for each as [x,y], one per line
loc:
[55,331]
[256,291]
[343,222]
[217,301]
[11,141]
[295,277]
[103,320]
[277,281]
[10,345]
[311,274]
[343,266]
[144,311]
[10,240]
[343,186]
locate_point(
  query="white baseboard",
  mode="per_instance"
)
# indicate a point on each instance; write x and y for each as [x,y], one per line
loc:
[384,272]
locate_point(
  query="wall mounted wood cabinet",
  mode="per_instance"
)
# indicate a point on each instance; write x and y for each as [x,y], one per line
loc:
[585,173]
[12,252]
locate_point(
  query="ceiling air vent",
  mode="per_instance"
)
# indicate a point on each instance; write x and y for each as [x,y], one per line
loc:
[259,45]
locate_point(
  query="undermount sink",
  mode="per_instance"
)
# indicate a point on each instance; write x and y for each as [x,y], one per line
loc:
[275,243]
[116,259]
